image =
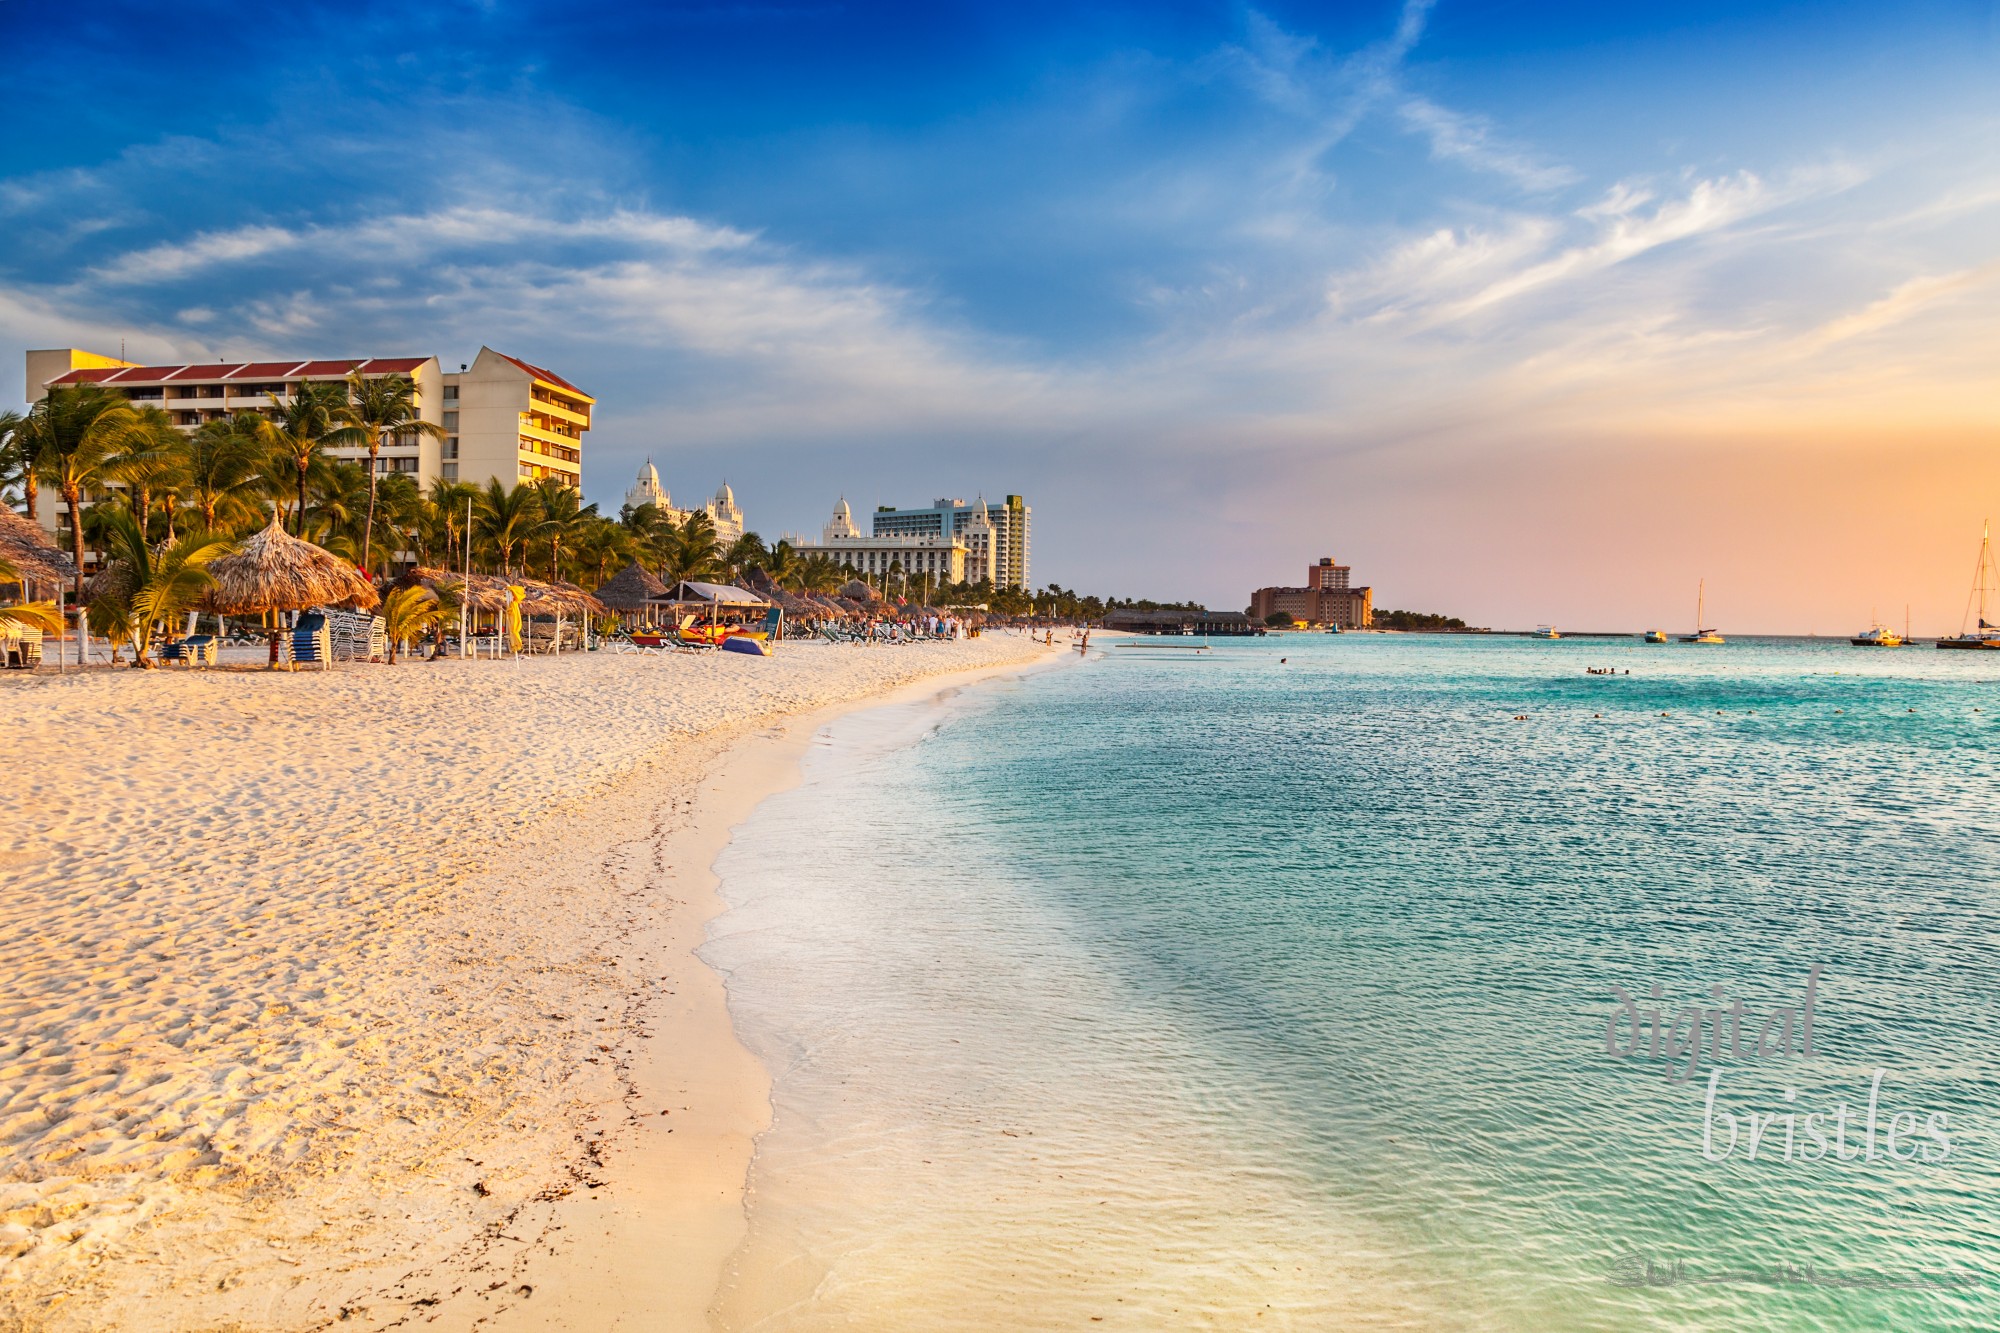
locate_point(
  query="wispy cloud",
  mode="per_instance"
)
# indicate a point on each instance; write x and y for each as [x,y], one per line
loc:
[1458,137]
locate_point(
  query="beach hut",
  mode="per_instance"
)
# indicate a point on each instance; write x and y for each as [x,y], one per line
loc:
[273,572]
[634,593]
[715,600]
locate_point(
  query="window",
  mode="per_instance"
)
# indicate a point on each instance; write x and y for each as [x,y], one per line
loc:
[451,421]
[451,472]
[451,446]
[451,393]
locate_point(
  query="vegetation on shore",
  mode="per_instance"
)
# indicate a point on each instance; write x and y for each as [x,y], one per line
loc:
[1418,622]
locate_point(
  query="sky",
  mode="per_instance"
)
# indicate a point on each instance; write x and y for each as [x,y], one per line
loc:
[1529,313]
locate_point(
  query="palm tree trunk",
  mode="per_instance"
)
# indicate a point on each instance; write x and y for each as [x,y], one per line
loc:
[368,532]
[32,492]
[145,513]
[73,497]
[299,521]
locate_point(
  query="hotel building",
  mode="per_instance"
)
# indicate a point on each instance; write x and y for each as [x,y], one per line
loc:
[721,511]
[916,555]
[1328,598]
[503,417]
[995,537]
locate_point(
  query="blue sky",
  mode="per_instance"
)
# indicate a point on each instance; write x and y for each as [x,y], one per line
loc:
[1530,312]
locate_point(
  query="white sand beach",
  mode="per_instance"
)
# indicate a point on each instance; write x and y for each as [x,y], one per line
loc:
[369,996]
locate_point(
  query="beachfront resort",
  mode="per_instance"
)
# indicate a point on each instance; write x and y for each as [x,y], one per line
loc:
[363,509]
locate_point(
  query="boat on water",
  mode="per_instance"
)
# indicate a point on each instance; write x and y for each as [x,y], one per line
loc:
[1655,636]
[1160,641]
[1545,632]
[1982,634]
[1878,635]
[1701,635]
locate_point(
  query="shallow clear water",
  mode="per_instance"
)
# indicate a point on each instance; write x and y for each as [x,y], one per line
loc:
[1238,993]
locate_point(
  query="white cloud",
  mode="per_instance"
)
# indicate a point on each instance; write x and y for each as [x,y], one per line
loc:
[1457,137]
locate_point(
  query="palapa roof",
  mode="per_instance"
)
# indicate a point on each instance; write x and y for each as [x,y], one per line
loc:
[630,588]
[484,592]
[275,571]
[540,598]
[27,546]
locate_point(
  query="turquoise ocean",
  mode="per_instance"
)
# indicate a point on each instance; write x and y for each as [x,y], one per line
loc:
[1270,988]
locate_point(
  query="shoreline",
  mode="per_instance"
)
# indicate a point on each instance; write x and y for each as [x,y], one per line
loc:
[355,997]
[673,1206]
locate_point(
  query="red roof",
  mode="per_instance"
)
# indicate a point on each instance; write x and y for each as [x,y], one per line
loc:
[266,370]
[548,375]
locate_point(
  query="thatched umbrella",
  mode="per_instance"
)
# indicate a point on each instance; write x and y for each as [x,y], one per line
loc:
[480,592]
[275,571]
[559,601]
[26,546]
[631,589]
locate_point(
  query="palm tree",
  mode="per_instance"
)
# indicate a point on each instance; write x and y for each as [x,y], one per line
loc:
[338,500]
[783,565]
[222,465]
[450,497]
[604,543]
[822,574]
[505,517]
[694,550]
[744,552]
[72,433]
[297,436]
[407,613]
[565,519]
[149,460]
[653,532]
[379,405]
[399,510]
[142,587]
[16,468]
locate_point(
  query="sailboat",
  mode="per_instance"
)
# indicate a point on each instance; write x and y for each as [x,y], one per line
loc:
[1701,635]
[1982,635]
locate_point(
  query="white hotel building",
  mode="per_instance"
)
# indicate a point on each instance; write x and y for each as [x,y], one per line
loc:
[943,559]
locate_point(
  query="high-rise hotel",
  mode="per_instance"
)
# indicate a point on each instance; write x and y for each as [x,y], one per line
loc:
[996,536]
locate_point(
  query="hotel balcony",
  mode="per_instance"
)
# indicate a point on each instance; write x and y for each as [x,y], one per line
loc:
[535,430]
[576,413]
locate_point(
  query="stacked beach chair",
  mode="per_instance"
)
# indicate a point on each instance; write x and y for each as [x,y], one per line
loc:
[311,639]
[356,637]
[194,650]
